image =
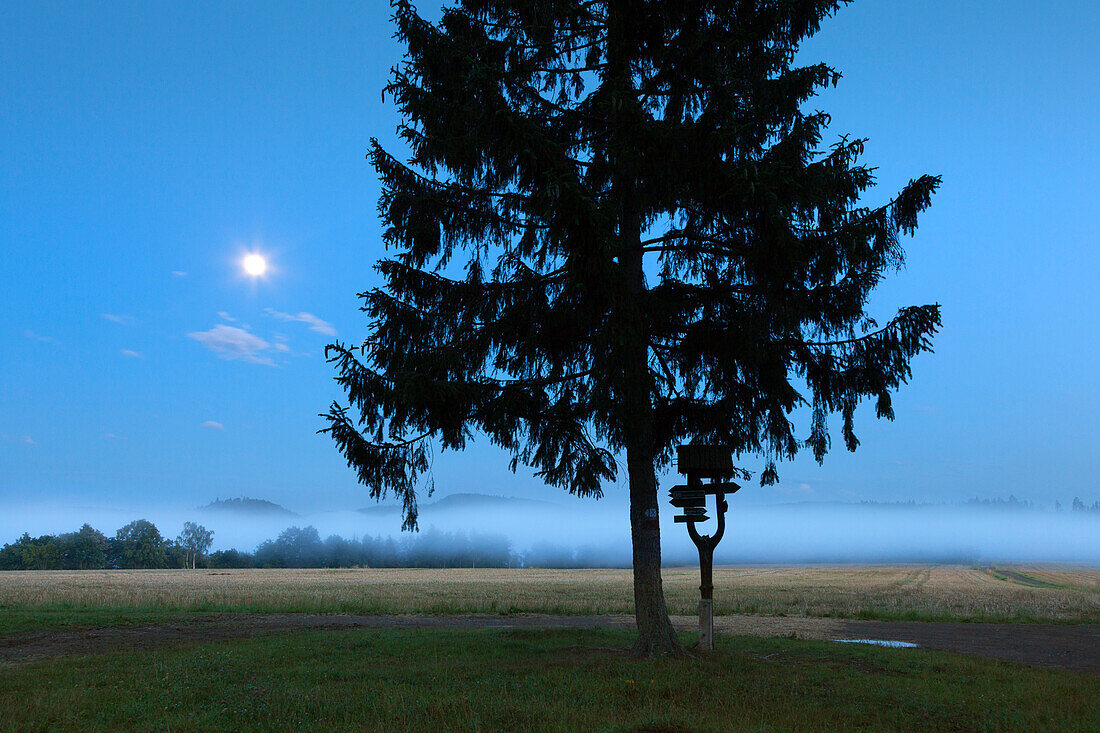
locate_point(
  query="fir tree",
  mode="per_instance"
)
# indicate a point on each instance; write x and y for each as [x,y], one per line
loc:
[656,248]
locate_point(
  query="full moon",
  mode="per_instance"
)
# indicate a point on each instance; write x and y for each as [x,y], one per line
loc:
[255,265]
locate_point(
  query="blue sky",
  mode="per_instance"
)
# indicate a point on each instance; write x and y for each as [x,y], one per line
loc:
[148,146]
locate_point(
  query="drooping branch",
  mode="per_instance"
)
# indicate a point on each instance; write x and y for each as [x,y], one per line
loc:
[382,468]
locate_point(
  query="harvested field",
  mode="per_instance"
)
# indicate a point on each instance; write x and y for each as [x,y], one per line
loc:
[1063,594]
[1060,576]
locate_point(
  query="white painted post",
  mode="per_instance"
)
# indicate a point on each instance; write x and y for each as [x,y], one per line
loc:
[706,624]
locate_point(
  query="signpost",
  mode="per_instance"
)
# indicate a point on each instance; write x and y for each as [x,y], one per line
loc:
[698,462]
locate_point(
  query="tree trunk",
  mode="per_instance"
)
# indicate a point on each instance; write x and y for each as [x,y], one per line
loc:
[655,633]
[635,389]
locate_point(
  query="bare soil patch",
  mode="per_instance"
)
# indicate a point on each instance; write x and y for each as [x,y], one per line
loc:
[1067,646]
[1022,579]
[1073,647]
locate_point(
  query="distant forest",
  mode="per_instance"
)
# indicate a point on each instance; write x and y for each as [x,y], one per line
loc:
[140,545]
[997,503]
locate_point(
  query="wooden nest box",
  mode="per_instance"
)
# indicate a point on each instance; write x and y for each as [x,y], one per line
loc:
[705,461]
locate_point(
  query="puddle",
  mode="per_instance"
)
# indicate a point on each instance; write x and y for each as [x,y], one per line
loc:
[880,642]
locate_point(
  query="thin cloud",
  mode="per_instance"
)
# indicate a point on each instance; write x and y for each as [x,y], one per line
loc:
[132,354]
[314,323]
[112,436]
[38,337]
[232,343]
[23,439]
[179,273]
[123,320]
[212,425]
[282,347]
[801,487]
[226,317]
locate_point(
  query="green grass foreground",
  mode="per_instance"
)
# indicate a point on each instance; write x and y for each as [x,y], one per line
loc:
[435,680]
[64,618]
[15,621]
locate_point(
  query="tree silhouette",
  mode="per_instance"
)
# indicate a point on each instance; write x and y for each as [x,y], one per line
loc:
[658,249]
[85,548]
[195,539]
[138,545]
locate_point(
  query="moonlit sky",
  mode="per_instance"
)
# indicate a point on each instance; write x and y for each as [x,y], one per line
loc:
[148,147]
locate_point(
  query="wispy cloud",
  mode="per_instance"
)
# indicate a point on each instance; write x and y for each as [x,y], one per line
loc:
[226,317]
[801,487]
[38,337]
[23,439]
[124,320]
[132,354]
[314,323]
[179,273]
[112,436]
[282,347]
[212,425]
[230,342]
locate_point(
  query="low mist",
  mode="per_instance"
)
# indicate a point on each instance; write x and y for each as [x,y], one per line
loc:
[546,533]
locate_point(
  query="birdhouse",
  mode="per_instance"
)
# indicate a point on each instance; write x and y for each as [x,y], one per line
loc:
[704,461]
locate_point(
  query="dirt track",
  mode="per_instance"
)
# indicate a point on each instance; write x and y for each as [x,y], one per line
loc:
[1074,647]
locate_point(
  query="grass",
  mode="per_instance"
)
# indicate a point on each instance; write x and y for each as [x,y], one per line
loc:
[24,620]
[397,680]
[908,592]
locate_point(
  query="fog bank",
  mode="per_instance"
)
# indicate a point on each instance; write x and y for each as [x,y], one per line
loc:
[598,534]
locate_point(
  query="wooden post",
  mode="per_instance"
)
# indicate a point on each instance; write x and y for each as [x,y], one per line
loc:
[698,462]
[706,545]
[706,595]
[706,624]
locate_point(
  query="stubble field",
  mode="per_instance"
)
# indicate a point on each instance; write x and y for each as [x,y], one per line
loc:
[918,592]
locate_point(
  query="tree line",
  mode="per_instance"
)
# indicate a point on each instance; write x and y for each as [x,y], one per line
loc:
[302,547]
[1013,503]
[140,545]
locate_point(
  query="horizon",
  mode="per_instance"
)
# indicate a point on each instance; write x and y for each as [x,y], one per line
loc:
[968,532]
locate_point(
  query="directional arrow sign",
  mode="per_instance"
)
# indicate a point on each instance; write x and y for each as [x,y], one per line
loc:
[727,487]
[689,501]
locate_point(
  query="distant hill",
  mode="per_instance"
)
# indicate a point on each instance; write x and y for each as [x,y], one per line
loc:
[469,502]
[251,507]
